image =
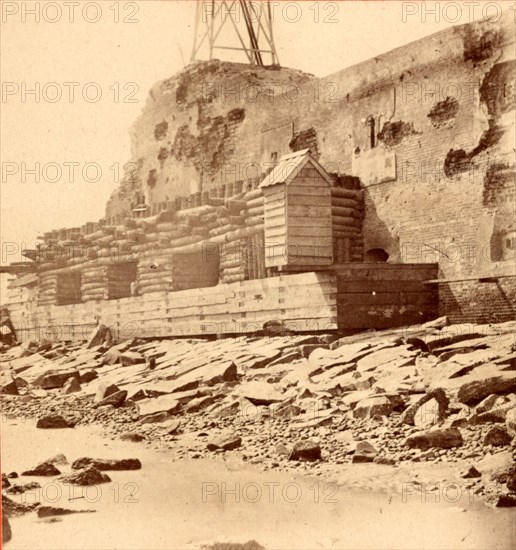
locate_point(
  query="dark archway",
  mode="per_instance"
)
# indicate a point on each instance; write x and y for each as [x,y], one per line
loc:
[376,255]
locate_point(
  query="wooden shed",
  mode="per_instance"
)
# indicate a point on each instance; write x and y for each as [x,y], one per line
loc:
[297,213]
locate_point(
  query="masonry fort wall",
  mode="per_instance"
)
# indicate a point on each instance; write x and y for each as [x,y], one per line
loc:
[428,128]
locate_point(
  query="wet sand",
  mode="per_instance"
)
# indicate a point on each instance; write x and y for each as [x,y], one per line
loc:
[182,504]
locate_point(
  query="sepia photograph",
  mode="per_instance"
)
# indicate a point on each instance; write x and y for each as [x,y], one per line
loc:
[258,275]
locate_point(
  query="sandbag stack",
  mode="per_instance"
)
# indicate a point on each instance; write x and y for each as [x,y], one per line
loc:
[233,261]
[155,272]
[47,289]
[347,209]
[94,283]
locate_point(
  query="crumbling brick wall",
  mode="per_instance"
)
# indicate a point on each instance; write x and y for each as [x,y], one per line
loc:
[428,128]
[200,130]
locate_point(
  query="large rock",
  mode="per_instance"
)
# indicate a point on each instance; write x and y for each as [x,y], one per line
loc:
[211,374]
[225,443]
[72,385]
[510,421]
[497,466]
[497,436]
[53,421]
[18,489]
[55,379]
[131,358]
[116,399]
[372,406]
[261,393]
[162,404]
[444,438]
[48,511]
[98,336]
[430,409]
[105,464]
[475,391]
[88,376]
[58,459]
[104,390]
[111,357]
[10,389]
[306,450]
[88,476]
[6,530]
[11,508]
[199,403]
[43,469]
[364,452]
[155,418]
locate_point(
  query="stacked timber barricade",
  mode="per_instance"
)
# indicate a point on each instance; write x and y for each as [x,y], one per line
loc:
[205,240]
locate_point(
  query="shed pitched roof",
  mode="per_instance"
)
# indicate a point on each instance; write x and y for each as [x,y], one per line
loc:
[289,167]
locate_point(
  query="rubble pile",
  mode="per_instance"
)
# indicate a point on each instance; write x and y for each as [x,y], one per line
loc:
[432,393]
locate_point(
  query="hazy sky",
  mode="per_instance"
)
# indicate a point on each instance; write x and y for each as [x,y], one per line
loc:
[113,61]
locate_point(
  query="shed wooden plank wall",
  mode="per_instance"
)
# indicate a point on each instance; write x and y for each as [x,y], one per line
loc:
[309,219]
[275,223]
[376,295]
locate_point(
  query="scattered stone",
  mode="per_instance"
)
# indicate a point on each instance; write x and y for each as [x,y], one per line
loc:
[116,399]
[487,403]
[505,501]
[18,489]
[54,421]
[43,469]
[89,476]
[226,443]
[497,436]
[473,392]
[54,379]
[11,508]
[58,459]
[88,376]
[422,416]
[134,437]
[163,404]
[5,482]
[306,451]
[155,418]
[444,438]
[364,452]
[261,393]
[111,357]
[103,464]
[99,335]
[372,406]
[470,473]
[386,461]
[47,511]
[131,358]
[510,421]
[171,426]
[497,466]
[488,417]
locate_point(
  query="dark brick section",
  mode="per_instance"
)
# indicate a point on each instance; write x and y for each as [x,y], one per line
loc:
[491,301]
